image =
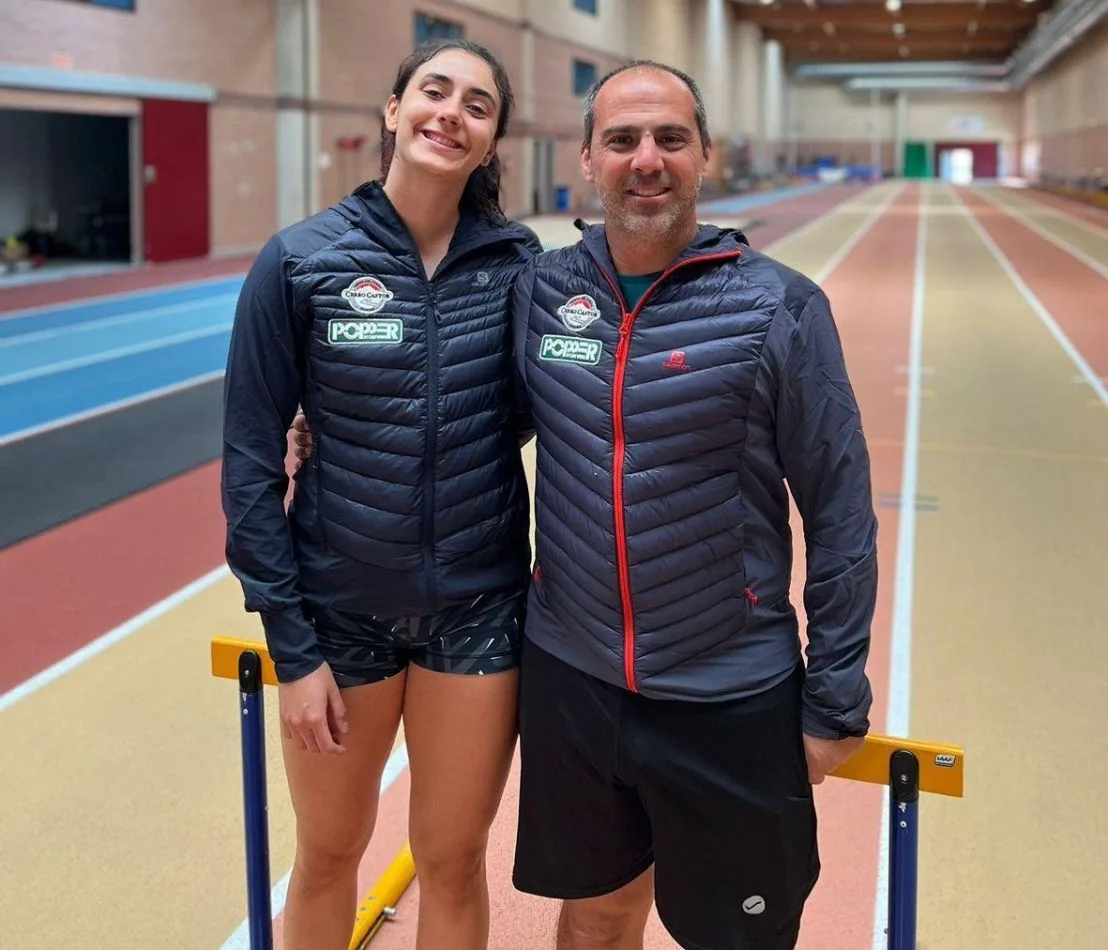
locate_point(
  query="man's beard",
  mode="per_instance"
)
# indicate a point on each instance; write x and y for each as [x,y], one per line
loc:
[680,208]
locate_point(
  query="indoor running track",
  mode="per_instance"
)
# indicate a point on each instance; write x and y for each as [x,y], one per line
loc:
[974,323]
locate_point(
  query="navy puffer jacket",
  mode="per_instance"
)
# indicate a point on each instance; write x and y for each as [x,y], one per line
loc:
[668,440]
[415,495]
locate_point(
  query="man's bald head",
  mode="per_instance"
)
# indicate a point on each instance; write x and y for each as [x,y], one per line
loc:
[700,114]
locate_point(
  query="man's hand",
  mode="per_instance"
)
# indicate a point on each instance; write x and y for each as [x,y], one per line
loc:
[302,437]
[826,755]
[312,712]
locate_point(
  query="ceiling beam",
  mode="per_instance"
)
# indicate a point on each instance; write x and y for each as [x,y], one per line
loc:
[959,43]
[887,28]
[891,57]
[940,16]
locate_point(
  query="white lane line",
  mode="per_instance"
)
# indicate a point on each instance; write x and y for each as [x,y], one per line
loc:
[106,356]
[850,205]
[156,291]
[106,408]
[1058,242]
[1099,230]
[1036,305]
[37,336]
[102,643]
[900,653]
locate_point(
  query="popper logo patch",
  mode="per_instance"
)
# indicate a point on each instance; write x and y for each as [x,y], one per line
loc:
[351,332]
[578,312]
[569,349]
[367,295]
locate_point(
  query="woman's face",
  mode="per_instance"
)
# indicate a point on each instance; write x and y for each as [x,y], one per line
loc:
[445,121]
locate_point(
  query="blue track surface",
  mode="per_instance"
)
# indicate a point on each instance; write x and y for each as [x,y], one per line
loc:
[57,363]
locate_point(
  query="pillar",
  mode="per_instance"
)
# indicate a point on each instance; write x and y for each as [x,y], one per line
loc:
[297,123]
[773,103]
[900,131]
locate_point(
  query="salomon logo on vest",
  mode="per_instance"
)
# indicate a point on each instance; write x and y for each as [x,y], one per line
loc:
[342,332]
[570,349]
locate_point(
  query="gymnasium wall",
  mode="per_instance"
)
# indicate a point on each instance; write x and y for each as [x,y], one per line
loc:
[228,44]
[982,117]
[1065,115]
[512,9]
[356,78]
[827,119]
[824,119]
[608,31]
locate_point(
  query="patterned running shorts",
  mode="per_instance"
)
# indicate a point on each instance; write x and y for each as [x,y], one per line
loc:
[480,636]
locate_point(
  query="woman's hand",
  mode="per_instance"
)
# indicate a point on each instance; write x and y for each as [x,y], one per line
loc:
[312,712]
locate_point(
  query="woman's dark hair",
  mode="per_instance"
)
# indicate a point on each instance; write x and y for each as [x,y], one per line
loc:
[482,191]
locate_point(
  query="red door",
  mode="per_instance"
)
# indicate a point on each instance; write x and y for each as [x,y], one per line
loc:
[986,156]
[175,176]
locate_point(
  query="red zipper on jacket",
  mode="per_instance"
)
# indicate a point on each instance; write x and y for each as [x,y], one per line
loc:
[623,346]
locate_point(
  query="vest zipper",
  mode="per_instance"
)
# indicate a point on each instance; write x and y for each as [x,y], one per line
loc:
[432,446]
[620,448]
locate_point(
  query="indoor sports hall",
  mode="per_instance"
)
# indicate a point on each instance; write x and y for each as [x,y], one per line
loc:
[939,167]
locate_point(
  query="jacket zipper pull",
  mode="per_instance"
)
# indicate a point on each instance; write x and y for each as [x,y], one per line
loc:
[750,595]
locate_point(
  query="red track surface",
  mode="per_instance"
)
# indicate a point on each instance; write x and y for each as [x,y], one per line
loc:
[149,277]
[64,588]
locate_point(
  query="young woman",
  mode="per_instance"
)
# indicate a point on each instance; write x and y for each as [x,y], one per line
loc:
[394,586]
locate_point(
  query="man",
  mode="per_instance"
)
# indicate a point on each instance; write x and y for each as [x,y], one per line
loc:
[678,381]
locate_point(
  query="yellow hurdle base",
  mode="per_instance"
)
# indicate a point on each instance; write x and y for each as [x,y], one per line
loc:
[379,905]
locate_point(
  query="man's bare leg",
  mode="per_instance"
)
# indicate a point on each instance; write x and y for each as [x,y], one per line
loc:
[615,921]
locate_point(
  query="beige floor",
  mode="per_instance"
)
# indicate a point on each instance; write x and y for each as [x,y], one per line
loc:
[1010,647]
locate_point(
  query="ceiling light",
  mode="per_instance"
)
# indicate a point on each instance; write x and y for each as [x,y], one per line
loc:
[898,29]
[971,27]
[829,28]
[904,51]
[893,6]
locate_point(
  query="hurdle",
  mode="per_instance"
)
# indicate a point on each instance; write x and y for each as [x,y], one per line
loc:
[249,663]
[907,768]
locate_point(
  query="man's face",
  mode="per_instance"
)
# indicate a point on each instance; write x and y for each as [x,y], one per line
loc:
[645,158]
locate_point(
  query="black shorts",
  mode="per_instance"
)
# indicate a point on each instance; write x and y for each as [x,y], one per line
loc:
[715,795]
[477,637]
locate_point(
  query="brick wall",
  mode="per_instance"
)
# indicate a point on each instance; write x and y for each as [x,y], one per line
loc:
[226,43]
